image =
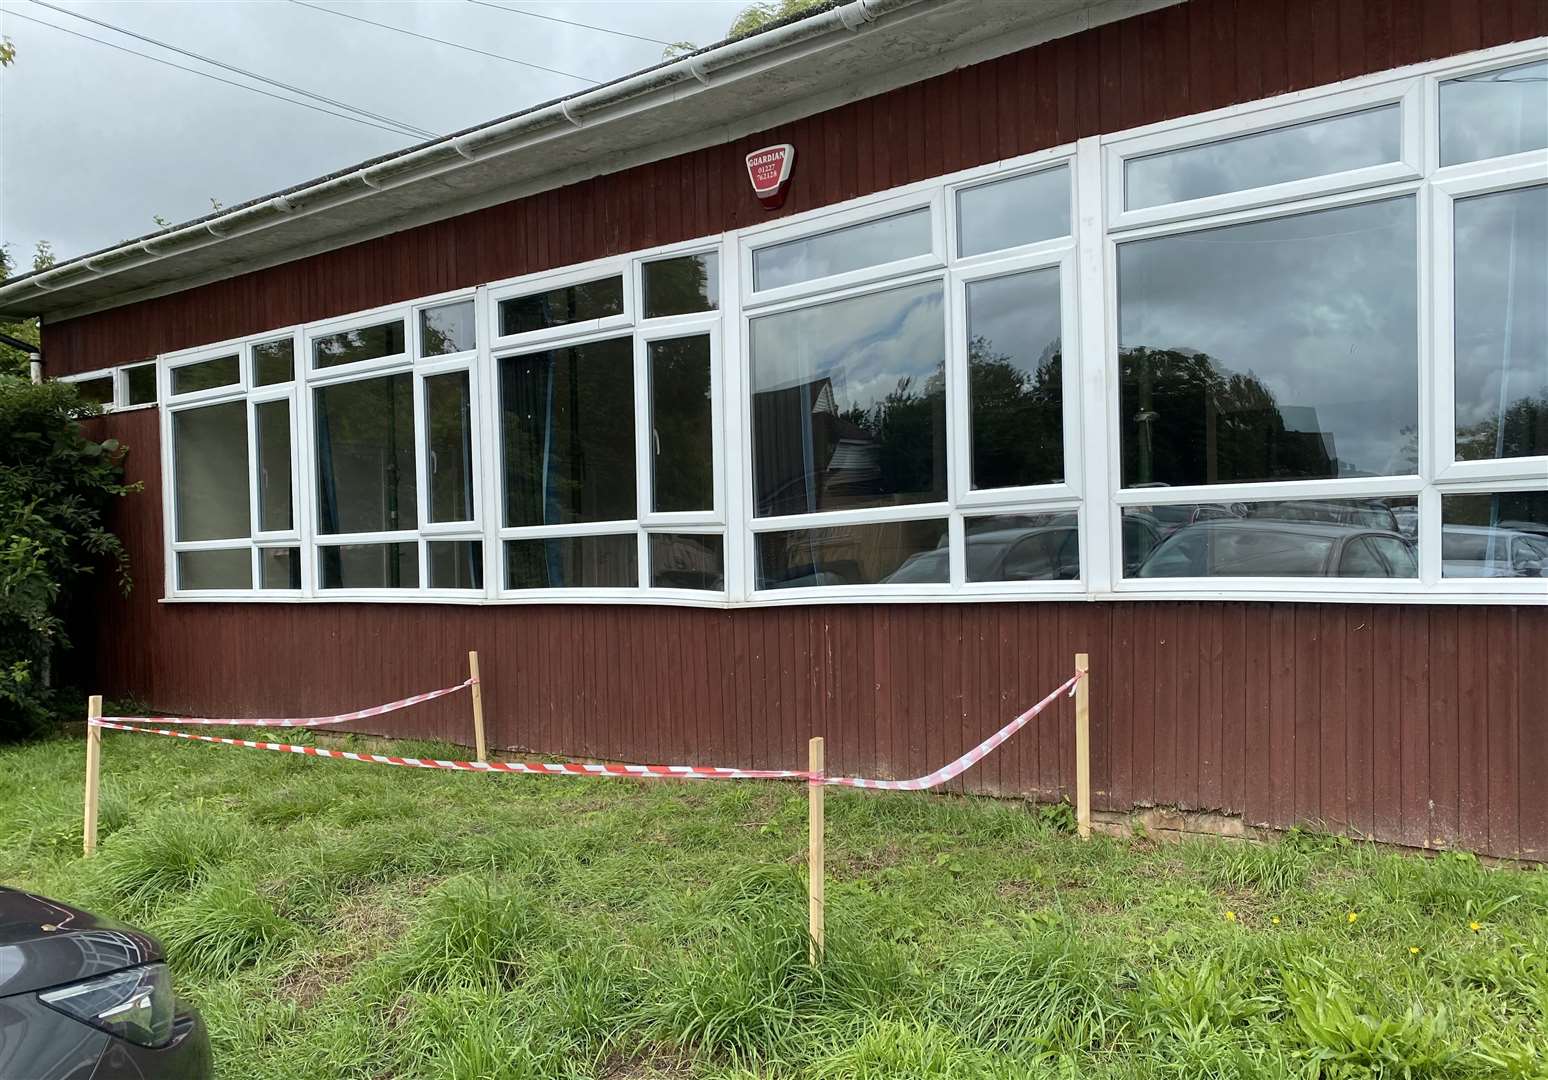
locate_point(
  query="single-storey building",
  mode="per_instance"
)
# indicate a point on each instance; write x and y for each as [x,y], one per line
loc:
[850,377]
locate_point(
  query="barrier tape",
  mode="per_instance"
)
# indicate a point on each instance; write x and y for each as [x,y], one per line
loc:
[305,722]
[543,768]
[967,760]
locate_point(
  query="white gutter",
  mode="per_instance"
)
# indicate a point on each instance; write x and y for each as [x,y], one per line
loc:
[454,152]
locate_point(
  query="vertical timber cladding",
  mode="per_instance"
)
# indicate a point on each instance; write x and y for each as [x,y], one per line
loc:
[1421,725]
[1184,59]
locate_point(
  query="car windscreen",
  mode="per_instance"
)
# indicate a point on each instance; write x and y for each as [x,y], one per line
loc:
[1202,552]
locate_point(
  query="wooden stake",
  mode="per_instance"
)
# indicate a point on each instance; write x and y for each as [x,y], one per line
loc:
[1083,748]
[814,852]
[478,709]
[93,772]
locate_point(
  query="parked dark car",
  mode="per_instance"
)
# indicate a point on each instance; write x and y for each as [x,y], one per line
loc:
[1255,547]
[1040,553]
[85,998]
[1481,552]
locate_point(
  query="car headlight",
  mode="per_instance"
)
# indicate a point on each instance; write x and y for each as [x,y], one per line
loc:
[136,1004]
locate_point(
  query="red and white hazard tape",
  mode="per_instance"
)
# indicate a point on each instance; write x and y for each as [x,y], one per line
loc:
[967,760]
[545,768]
[312,721]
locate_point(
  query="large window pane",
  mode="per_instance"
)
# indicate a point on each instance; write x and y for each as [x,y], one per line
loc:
[1008,213]
[369,566]
[1502,323]
[849,403]
[682,444]
[1501,534]
[1023,547]
[1315,148]
[1287,538]
[140,385]
[274,362]
[854,247]
[362,343]
[681,285]
[573,562]
[1494,113]
[687,561]
[206,375]
[449,434]
[228,568]
[567,428]
[210,454]
[582,302]
[1014,380]
[886,553]
[448,328]
[1277,349]
[456,564]
[273,435]
[365,456]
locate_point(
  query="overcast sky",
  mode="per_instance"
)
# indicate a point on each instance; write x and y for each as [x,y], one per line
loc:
[94,142]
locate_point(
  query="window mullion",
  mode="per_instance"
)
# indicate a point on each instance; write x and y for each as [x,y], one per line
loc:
[1097,431]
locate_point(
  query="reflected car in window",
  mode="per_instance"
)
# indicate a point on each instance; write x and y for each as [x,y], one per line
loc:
[1365,515]
[1042,553]
[1171,517]
[1477,551]
[1261,548]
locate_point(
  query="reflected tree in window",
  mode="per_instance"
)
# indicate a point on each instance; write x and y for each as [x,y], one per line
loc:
[1018,417]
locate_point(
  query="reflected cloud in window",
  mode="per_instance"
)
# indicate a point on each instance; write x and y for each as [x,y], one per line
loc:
[1271,350]
[1494,113]
[849,403]
[1502,324]
[854,247]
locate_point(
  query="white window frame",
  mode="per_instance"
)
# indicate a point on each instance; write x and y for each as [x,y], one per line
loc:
[119,402]
[172,362]
[1086,261]
[1260,117]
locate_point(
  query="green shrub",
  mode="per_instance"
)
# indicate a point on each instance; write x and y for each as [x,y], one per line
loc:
[55,487]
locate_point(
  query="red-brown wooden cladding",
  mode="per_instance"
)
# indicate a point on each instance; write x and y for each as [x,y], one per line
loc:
[1422,725]
[1189,58]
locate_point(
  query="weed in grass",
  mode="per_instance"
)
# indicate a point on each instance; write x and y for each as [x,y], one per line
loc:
[222,925]
[1346,1036]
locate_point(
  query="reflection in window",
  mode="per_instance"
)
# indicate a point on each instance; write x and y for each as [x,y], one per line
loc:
[449,447]
[361,343]
[210,465]
[447,328]
[97,391]
[573,562]
[1009,213]
[1023,547]
[272,432]
[279,568]
[687,561]
[1014,381]
[683,455]
[567,428]
[1277,349]
[226,568]
[206,375]
[854,247]
[140,385]
[581,302]
[1502,534]
[1288,538]
[893,552]
[1502,323]
[455,564]
[849,403]
[1316,148]
[365,456]
[1494,113]
[681,285]
[274,362]
[369,566]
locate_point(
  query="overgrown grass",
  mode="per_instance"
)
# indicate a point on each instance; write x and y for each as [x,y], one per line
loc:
[343,920]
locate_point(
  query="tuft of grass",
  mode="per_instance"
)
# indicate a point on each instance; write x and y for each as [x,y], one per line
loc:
[222,925]
[165,854]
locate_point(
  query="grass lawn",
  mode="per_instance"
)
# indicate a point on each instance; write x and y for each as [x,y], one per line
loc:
[335,919]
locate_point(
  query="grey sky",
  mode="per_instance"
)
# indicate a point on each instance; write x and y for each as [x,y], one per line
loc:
[94,143]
